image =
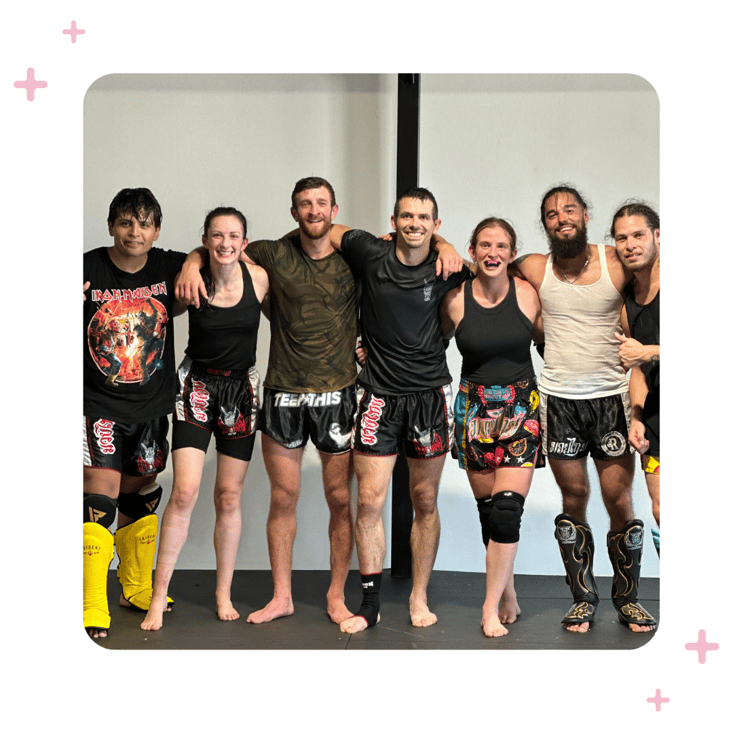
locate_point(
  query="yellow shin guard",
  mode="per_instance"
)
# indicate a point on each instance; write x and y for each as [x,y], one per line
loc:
[136,549]
[98,552]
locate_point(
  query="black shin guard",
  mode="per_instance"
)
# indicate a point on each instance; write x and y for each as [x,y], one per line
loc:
[369,609]
[624,550]
[577,549]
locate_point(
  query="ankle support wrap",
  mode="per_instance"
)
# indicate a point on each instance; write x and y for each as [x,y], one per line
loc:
[369,609]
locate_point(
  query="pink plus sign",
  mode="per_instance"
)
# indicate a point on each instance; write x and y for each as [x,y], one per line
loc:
[702,647]
[30,85]
[658,699]
[73,31]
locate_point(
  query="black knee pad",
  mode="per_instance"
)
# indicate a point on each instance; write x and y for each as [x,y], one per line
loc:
[142,503]
[506,516]
[99,509]
[484,515]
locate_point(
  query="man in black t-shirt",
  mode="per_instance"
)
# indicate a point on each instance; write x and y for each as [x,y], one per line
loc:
[405,396]
[129,388]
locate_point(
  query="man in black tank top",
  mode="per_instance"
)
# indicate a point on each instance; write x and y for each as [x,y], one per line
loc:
[635,230]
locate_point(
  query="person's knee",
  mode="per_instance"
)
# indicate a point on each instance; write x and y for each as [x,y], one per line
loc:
[100,509]
[183,496]
[142,502]
[425,500]
[574,488]
[572,480]
[339,502]
[227,499]
[370,501]
[619,506]
[506,516]
[283,498]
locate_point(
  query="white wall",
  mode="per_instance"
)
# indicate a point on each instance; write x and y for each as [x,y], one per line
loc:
[489,144]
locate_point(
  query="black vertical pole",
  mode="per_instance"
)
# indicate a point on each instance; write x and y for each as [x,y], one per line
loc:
[408,128]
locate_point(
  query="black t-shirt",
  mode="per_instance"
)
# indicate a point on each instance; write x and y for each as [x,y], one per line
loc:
[226,338]
[644,327]
[399,316]
[129,365]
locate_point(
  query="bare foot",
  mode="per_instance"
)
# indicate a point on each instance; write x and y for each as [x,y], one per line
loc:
[577,628]
[492,626]
[336,609]
[509,610]
[225,611]
[354,624]
[154,618]
[634,610]
[124,602]
[276,608]
[97,633]
[420,614]
[641,629]
[579,610]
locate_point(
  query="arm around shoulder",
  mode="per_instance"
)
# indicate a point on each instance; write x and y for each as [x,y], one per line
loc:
[189,284]
[530,267]
[337,234]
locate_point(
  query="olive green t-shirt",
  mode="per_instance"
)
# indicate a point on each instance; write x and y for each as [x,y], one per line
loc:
[312,318]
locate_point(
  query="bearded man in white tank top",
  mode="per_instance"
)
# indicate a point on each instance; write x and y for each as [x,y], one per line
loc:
[584,402]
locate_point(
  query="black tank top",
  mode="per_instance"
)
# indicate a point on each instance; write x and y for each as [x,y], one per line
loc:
[226,338]
[644,327]
[494,342]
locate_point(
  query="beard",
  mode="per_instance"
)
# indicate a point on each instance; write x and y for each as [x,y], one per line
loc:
[314,229]
[568,248]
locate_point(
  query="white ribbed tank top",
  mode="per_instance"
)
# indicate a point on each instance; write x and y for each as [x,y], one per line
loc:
[581,351]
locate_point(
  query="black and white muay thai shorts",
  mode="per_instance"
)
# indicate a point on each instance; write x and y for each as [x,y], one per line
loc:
[598,427]
[135,449]
[224,403]
[327,418]
[421,421]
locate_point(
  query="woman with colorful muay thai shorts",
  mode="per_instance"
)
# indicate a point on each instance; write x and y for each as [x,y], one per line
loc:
[218,394]
[495,318]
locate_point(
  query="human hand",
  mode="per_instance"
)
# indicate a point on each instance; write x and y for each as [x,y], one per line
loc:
[449,261]
[637,436]
[631,353]
[190,287]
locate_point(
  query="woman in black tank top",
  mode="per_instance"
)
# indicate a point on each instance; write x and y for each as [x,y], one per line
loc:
[218,387]
[494,318]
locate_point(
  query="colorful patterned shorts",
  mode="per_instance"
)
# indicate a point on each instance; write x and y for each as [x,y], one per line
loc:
[498,426]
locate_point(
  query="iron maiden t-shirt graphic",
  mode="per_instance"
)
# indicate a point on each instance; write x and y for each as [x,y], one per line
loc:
[126,337]
[129,366]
